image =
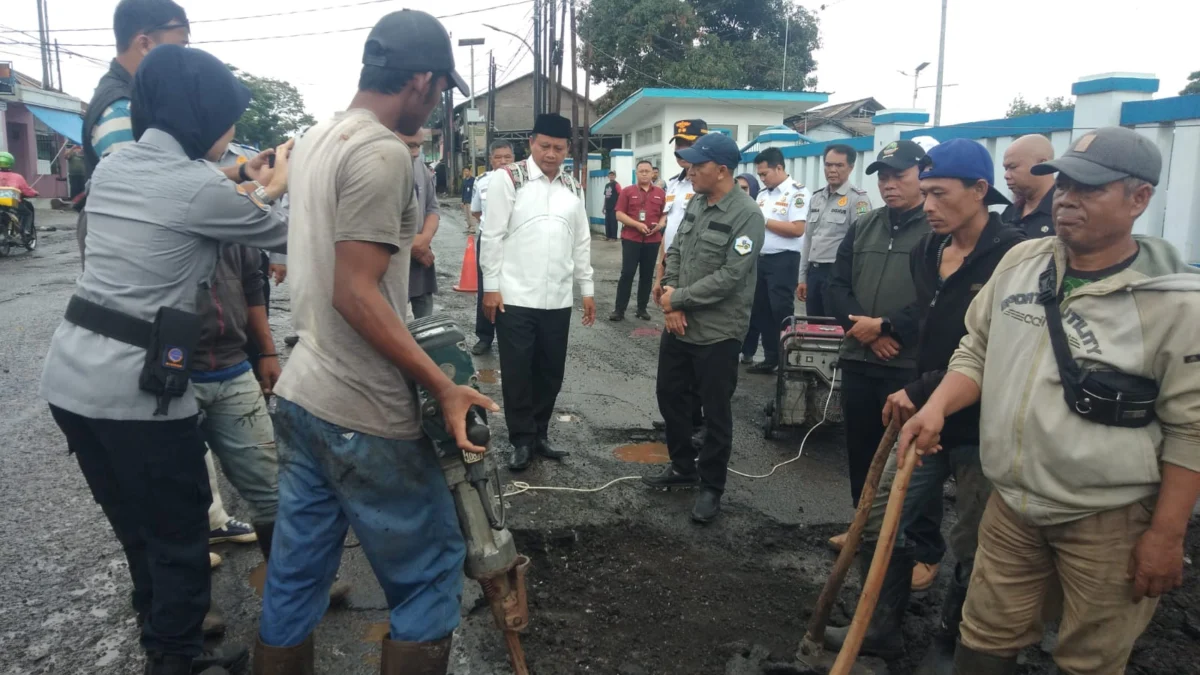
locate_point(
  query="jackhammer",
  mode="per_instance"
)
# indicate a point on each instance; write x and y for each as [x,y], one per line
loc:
[492,557]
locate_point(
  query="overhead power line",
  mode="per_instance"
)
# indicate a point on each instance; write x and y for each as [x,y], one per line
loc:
[296,35]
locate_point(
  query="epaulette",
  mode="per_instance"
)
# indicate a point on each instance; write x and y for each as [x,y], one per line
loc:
[857,190]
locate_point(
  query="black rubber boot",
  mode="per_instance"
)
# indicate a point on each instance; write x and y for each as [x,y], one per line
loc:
[415,658]
[296,660]
[939,659]
[970,662]
[885,634]
[266,534]
[167,664]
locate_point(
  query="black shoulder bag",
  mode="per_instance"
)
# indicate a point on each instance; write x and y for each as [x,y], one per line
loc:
[1106,397]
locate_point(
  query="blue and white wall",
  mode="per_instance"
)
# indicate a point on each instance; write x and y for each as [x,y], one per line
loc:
[1123,99]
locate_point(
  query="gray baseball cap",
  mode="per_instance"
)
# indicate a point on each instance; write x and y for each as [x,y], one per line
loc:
[413,40]
[1105,155]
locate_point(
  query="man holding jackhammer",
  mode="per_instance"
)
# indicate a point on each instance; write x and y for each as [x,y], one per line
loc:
[949,266]
[350,444]
[1082,351]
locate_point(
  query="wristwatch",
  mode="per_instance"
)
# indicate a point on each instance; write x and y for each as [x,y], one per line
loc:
[260,193]
[885,326]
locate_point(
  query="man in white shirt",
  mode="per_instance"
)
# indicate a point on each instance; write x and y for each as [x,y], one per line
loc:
[537,240]
[500,154]
[784,203]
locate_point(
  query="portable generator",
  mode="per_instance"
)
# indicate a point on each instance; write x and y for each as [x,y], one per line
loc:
[807,387]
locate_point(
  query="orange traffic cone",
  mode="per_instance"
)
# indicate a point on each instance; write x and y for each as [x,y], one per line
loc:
[468,278]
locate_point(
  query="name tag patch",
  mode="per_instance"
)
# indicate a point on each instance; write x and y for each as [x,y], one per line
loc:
[743,245]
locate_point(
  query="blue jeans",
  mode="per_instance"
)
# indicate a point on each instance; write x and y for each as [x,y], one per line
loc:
[394,495]
[924,490]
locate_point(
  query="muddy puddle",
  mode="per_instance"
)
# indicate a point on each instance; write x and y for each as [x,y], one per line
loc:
[643,453]
[488,376]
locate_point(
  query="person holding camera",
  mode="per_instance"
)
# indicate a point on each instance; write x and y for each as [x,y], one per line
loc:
[1082,352]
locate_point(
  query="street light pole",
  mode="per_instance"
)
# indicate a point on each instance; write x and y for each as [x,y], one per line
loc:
[937,106]
[787,26]
[471,108]
[916,81]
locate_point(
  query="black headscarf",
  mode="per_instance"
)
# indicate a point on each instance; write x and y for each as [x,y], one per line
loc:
[189,94]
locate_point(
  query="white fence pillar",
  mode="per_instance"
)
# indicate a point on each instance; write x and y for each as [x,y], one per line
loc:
[1098,98]
[889,124]
[1181,180]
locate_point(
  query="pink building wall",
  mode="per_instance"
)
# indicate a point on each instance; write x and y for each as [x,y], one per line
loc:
[22,143]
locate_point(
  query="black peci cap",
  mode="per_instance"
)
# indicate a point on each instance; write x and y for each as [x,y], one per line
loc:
[415,41]
[552,125]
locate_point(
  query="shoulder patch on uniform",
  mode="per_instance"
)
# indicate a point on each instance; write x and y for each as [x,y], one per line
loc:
[861,208]
[245,190]
[799,201]
[743,245]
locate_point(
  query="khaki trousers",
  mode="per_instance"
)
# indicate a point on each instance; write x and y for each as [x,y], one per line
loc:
[1016,565]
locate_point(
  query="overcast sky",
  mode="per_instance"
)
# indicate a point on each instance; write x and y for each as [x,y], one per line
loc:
[995,49]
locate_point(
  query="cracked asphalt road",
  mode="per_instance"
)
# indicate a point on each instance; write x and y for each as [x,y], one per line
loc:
[63,579]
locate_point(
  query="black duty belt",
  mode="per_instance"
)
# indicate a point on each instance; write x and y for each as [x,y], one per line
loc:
[109,322]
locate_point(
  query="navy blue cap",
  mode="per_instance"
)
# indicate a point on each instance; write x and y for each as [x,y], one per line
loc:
[965,159]
[714,147]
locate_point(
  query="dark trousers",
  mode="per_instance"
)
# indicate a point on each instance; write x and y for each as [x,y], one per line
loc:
[150,480]
[774,298]
[611,227]
[863,397]
[484,330]
[687,372]
[533,357]
[636,258]
[818,281]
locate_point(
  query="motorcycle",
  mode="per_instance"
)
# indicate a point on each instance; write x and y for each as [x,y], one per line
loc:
[17,222]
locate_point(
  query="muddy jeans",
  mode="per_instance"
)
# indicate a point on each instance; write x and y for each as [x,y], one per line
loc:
[394,495]
[925,491]
[1016,565]
[237,428]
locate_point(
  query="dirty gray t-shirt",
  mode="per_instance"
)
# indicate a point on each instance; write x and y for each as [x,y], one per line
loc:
[351,180]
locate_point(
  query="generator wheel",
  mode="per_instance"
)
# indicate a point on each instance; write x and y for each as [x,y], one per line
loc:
[769,424]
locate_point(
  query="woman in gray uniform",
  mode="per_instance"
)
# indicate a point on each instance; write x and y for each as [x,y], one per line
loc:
[116,376]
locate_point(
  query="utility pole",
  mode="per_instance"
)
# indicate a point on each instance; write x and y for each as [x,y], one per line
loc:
[41,10]
[587,102]
[491,106]
[470,113]
[552,100]
[537,59]
[58,61]
[937,106]
[786,29]
[559,54]
[580,158]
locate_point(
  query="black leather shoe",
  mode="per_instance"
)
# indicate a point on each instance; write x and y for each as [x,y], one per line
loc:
[747,360]
[482,347]
[543,448]
[522,456]
[763,368]
[233,659]
[707,507]
[643,315]
[616,316]
[670,478]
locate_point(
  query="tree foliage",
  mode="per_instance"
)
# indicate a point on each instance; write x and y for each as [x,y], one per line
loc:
[276,111]
[702,44]
[1020,107]
[1193,85]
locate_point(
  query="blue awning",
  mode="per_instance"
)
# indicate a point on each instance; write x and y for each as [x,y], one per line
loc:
[64,123]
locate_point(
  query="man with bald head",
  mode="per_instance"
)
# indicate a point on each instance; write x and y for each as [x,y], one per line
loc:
[1033,195]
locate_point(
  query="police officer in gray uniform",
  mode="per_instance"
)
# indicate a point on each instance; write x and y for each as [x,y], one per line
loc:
[116,376]
[708,289]
[831,212]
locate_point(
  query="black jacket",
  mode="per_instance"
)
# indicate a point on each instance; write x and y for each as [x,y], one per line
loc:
[943,315]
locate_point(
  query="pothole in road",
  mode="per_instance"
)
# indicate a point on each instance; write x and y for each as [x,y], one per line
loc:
[625,598]
[488,376]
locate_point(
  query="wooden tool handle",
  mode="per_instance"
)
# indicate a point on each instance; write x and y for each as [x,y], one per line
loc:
[879,565]
[814,637]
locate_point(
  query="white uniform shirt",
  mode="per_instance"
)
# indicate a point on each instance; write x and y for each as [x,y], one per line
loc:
[679,193]
[479,198]
[538,240]
[786,201]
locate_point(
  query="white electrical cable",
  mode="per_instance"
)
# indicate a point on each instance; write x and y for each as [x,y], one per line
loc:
[522,487]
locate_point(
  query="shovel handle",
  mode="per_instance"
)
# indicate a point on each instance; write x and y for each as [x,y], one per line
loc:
[879,565]
[814,637]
